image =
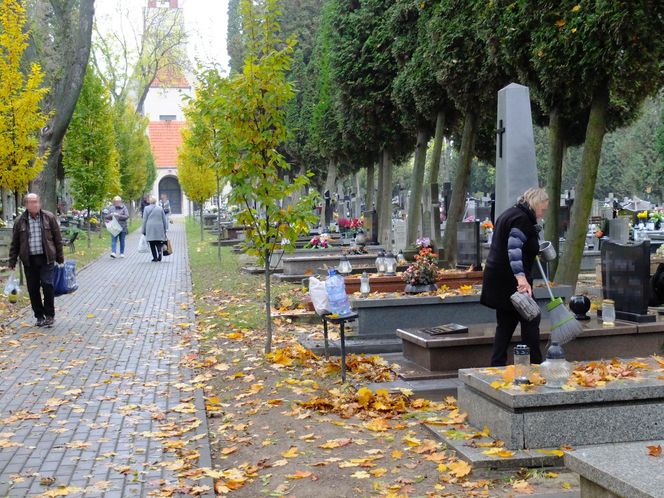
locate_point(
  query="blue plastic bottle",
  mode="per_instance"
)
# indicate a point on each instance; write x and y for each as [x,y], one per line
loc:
[336,293]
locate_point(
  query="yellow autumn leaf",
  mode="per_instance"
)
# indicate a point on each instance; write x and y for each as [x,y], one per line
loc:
[396,454]
[576,8]
[361,474]
[411,441]
[557,453]
[560,23]
[377,425]
[364,396]
[460,468]
[335,443]
[379,472]
[290,453]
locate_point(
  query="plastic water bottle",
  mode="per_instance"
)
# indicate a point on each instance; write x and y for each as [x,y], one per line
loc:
[336,293]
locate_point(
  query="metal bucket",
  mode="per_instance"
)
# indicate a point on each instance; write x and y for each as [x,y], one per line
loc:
[547,251]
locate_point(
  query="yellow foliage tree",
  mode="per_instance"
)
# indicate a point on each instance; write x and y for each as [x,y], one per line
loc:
[21,117]
[195,173]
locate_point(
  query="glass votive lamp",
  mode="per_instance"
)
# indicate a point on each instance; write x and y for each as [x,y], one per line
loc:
[345,268]
[390,264]
[401,259]
[608,313]
[381,267]
[521,364]
[365,288]
[555,369]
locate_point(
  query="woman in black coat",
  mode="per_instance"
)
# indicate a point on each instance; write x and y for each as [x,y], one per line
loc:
[509,268]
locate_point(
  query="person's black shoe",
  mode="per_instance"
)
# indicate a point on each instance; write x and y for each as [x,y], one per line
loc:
[40,322]
[154,260]
[49,321]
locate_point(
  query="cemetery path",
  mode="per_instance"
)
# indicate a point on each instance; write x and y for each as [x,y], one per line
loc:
[99,403]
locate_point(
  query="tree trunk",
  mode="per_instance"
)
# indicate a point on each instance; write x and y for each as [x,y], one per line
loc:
[64,97]
[568,270]
[385,214]
[415,198]
[460,187]
[434,164]
[218,217]
[202,232]
[556,149]
[268,306]
[89,231]
[379,191]
[358,197]
[329,187]
[371,187]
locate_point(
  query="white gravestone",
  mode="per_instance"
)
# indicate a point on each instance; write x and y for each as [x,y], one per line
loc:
[516,166]
[399,227]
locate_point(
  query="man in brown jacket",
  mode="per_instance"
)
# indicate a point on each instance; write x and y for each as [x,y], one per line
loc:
[37,241]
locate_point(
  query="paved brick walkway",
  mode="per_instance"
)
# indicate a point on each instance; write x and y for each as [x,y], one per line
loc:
[78,402]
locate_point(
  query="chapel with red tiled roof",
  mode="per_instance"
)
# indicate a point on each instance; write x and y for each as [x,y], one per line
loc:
[164,108]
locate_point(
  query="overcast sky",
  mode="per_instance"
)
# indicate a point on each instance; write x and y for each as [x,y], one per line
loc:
[205,21]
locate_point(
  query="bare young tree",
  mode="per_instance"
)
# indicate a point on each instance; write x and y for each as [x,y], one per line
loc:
[129,59]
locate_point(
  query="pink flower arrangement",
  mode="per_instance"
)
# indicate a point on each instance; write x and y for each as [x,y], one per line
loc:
[318,242]
[356,223]
[424,270]
[344,223]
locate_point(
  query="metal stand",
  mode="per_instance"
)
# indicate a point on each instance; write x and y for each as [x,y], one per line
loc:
[341,321]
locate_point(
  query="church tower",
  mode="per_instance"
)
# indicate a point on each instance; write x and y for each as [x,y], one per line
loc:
[163,107]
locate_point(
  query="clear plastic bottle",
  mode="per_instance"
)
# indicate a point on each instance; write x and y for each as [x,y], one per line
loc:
[336,293]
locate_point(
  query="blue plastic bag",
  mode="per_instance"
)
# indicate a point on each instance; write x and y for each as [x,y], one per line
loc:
[64,278]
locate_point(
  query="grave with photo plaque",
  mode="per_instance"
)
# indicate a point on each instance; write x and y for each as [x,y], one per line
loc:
[626,279]
[469,245]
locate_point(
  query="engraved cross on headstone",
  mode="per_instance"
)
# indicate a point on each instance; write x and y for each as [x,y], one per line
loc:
[500,132]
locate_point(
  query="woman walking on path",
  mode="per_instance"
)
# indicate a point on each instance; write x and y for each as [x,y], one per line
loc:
[514,246]
[119,212]
[155,226]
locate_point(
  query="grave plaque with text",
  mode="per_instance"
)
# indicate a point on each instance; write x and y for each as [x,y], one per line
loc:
[626,279]
[469,247]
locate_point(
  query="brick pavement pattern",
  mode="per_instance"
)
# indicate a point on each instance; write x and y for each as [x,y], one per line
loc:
[78,402]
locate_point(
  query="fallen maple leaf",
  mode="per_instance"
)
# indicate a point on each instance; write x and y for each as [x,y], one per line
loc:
[460,468]
[290,453]
[377,425]
[361,474]
[336,443]
[655,451]
[300,474]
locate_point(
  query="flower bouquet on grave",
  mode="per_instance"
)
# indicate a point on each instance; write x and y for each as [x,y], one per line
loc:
[657,217]
[487,230]
[319,242]
[422,274]
[344,225]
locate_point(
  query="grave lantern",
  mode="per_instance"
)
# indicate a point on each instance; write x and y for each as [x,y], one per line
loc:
[521,364]
[401,259]
[556,369]
[380,263]
[390,264]
[345,268]
[365,288]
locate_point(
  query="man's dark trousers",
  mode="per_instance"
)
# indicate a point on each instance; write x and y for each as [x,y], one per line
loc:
[39,276]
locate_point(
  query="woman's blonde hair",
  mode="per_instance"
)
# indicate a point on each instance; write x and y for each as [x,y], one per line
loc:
[117,198]
[153,199]
[534,197]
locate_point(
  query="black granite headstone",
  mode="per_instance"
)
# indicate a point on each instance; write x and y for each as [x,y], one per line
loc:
[626,279]
[469,246]
[371,226]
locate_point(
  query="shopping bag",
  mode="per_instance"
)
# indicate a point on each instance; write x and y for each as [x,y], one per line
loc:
[143,245]
[12,288]
[167,249]
[64,278]
[318,295]
[114,227]
[59,282]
